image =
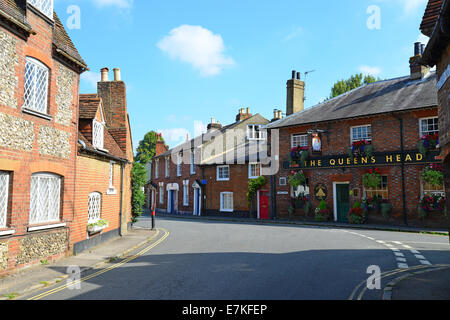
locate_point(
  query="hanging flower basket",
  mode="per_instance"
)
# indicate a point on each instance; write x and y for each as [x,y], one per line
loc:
[372,179]
[433,203]
[361,148]
[357,214]
[297,179]
[433,174]
[299,154]
[428,142]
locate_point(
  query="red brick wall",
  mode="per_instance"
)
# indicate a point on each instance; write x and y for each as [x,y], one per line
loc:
[385,137]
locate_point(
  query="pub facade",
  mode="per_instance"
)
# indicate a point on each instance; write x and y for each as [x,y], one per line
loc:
[363,157]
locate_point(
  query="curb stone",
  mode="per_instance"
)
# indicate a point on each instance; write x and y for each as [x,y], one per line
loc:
[98,265]
[387,291]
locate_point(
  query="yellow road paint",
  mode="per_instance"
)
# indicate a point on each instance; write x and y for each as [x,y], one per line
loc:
[137,255]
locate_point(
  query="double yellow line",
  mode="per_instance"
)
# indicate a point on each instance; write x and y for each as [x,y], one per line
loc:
[135,256]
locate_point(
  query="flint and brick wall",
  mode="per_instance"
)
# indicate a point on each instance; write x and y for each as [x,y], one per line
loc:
[31,144]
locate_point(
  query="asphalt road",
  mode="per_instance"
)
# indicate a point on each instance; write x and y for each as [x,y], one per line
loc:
[211,260]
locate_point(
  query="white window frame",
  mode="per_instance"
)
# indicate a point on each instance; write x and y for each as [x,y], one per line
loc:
[186,194]
[157,169]
[94,207]
[192,164]
[429,192]
[379,189]
[98,134]
[362,137]
[283,181]
[4,197]
[253,134]
[299,140]
[44,209]
[161,194]
[250,170]
[222,202]
[221,177]
[36,86]
[425,132]
[167,167]
[111,190]
[44,6]
[179,165]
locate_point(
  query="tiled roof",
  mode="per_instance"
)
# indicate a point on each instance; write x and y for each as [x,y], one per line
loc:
[381,97]
[430,17]
[109,144]
[89,104]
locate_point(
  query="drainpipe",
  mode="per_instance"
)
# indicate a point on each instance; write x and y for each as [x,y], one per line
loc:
[405,214]
[274,198]
[121,197]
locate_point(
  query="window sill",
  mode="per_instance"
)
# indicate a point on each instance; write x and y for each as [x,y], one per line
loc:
[37,114]
[47,226]
[223,179]
[224,210]
[7,232]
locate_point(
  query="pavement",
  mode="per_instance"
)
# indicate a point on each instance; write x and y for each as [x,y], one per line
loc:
[431,284]
[35,278]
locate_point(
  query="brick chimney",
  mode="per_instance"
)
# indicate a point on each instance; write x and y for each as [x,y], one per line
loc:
[418,71]
[295,94]
[243,114]
[277,115]
[161,146]
[114,97]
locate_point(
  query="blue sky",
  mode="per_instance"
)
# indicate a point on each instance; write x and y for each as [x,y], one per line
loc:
[187,61]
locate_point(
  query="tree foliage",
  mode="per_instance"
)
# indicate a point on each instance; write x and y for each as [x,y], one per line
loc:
[146,149]
[353,82]
[138,180]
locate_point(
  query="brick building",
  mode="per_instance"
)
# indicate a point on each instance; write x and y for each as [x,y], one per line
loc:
[105,155]
[209,174]
[39,80]
[388,118]
[436,25]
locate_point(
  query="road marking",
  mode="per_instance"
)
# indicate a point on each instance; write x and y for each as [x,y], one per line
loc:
[137,255]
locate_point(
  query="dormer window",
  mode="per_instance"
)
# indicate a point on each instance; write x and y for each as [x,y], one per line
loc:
[44,6]
[98,131]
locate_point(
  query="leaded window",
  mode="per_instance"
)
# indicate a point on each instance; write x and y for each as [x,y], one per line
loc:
[45,198]
[44,6]
[36,85]
[98,131]
[4,186]
[95,205]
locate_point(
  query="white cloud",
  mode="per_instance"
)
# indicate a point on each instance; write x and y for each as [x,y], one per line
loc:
[374,71]
[175,135]
[411,6]
[294,33]
[199,128]
[123,4]
[197,46]
[91,78]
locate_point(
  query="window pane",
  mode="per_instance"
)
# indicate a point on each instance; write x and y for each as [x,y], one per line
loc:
[429,126]
[4,186]
[45,6]
[36,85]
[45,198]
[299,141]
[95,200]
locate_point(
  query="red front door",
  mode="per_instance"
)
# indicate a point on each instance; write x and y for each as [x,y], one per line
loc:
[264,205]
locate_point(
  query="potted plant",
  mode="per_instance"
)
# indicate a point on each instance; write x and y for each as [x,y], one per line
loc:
[433,174]
[356,215]
[433,204]
[385,208]
[428,142]
[97,226]
[322,212]
[372,179]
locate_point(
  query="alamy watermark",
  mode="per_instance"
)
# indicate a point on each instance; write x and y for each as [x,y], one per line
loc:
[374,20]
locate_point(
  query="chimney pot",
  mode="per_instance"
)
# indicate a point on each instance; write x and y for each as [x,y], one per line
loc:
[298,76]
[248,110]
[293,74]
[417,48]
[104,74]
[117,76]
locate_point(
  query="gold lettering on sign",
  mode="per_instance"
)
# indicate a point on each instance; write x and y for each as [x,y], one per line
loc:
[319,163]
[419,157]
[341,162]
[364,160]
[333,162]
[373,160]
[348,161]
[355,160]
[313,163]
[399,159]
[388,158]
[408,158]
